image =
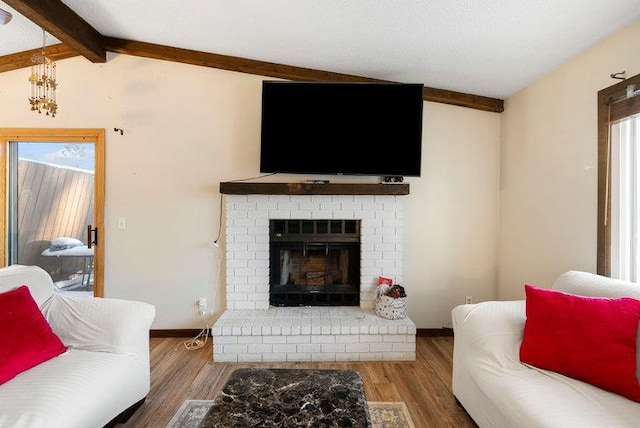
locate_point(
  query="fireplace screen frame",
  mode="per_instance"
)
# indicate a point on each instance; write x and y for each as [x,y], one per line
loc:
[306,239]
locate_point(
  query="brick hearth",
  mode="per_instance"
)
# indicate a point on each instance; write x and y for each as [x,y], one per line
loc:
[312,334]
[250,330]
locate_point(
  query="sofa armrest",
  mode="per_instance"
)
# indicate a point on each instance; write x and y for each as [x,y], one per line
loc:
[101,324]
[489,319]
[486,337]
[492,328]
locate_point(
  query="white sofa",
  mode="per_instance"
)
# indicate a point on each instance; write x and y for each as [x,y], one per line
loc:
[102,377]
[497,390]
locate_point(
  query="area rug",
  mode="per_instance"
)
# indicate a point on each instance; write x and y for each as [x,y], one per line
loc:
[389,415]
[277,397]
[383,414]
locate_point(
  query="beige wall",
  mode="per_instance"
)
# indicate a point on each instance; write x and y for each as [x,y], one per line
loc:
[503,199]
[451,215]
[188,128]
[548,186]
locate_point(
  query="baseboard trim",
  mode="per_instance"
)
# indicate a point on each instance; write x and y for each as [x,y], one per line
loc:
[434,332]
[176,333]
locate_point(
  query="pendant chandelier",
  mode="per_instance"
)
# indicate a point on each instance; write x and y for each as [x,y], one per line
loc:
[43,83]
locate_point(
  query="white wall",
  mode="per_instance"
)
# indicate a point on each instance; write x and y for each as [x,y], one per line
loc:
[451,215]
[188,128]
[548,189]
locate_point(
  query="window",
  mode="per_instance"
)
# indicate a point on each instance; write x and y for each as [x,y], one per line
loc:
[619,180]
[624,187]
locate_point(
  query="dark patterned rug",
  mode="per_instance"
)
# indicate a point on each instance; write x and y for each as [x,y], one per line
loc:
[272,398]
[291,398]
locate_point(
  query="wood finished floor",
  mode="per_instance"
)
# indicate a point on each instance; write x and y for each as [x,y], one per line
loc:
[424,385]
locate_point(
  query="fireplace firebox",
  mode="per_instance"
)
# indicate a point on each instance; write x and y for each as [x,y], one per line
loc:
[314,262]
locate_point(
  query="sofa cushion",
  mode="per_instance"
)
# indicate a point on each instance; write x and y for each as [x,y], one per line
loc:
[592,339]
[26,339]
[40,283]
[591,284]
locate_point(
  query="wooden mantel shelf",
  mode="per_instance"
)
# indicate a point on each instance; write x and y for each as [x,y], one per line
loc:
[247,188]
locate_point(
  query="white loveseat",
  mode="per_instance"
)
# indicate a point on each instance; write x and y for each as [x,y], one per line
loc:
[102,377]
[497,390]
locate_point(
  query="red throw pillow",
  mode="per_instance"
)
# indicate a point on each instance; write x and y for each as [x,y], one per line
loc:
[592,339]
[26,339]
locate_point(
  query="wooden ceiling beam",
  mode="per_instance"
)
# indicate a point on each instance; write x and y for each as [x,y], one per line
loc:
[241,65]
[23,59]
[67,26]
[262,68]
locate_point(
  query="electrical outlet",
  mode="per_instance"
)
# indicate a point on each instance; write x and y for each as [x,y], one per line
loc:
[468,299]
[202,305]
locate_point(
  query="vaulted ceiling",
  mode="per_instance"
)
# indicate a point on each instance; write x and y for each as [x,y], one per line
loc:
[472,53]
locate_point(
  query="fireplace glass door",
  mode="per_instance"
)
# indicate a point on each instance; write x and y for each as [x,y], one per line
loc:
[319,270]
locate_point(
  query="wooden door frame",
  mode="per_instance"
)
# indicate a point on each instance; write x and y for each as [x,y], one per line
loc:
[71,135]
[612,106]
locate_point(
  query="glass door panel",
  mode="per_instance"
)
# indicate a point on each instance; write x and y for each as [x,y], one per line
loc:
[51,204]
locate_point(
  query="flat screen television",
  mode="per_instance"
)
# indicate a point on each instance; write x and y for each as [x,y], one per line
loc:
[341,128]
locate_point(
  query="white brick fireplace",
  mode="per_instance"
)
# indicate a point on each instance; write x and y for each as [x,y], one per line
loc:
[251,330]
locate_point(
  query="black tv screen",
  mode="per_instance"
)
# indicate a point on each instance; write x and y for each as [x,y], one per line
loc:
[341,128]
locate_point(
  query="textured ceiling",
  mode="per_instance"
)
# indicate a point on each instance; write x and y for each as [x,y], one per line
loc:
[482,47]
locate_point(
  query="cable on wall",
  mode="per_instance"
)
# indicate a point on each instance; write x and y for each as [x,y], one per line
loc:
[234,181]
[200,340]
